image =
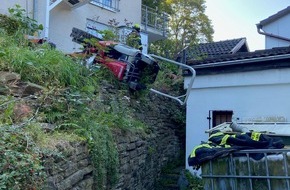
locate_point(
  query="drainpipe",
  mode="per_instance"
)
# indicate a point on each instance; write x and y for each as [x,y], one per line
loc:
[34,10]
[46,27]
[260,31]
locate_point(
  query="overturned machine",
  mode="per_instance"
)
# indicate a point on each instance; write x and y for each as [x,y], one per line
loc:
[126,63]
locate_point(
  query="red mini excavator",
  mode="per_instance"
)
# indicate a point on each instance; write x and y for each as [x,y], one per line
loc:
[126,63]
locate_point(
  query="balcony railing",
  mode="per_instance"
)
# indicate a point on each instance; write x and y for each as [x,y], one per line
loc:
[153,19]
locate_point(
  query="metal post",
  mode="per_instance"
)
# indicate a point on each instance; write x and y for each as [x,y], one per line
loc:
[232,172]
[211,173]
[286,169]
[146,18]
[249,171]
[267,171]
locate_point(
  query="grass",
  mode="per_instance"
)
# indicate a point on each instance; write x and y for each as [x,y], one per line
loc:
[70,101]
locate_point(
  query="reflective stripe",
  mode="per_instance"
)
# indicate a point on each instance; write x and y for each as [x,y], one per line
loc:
[255,136]
[197,147]
[216,134]
[224,140]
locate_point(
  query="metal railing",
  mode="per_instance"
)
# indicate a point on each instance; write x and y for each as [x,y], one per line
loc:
[154,19]
[253,175]
[183,98]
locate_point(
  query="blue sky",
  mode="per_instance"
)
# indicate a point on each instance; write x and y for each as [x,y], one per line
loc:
[238,18]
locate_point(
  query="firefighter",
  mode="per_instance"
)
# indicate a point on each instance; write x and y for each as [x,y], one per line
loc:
[134,38]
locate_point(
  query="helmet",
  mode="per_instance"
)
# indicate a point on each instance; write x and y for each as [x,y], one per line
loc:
[136,27]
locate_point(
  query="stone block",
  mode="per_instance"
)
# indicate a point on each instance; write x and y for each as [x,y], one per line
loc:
[75,178]
[122,147]
[131,146]
[72,168]
[124,160]
[83,163]
[133,154]
[6,77]
[140,143]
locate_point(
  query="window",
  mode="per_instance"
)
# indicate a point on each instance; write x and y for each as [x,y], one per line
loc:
[217,117]
[107,3]
[112,5]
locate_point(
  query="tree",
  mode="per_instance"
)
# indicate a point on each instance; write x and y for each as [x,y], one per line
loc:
[188,25]
[153,3]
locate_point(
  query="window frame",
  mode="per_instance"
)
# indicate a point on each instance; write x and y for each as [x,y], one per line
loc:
[114,7]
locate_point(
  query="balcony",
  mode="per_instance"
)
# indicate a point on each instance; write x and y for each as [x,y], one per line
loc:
[71,3]
[154,23]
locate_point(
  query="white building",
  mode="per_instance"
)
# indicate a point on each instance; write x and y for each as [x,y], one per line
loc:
[59,17]
[276,29]
[239,85]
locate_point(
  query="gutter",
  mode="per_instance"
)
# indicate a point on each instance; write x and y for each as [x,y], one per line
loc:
[260,31]
[236,62]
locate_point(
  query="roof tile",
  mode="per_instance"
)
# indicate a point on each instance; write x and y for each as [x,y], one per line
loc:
[241,55]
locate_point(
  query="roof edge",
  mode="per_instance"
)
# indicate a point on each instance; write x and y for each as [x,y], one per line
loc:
[276,16]
[235,62]
[242,42]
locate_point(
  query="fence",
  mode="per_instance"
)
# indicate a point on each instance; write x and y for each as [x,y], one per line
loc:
[240,171]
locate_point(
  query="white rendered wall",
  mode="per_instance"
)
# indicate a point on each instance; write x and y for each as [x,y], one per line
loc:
[252,96]
[280,27]
[63,19]
[25,4]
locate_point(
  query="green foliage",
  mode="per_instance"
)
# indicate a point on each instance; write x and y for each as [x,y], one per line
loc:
[19,22]
[188,25]
[109,35]
[195,182]
[104,155]
[43,65]
[6,110]
[9,24]
[71,100]
[113,33]
[93,120]
[162,5]
[163,48]
[169,78]
[49,141]
[20,161]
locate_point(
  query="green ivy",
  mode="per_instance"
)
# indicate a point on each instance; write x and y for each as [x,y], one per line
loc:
[20,161]
[104,155]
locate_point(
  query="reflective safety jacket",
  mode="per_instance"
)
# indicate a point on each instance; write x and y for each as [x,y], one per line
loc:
[134,40]
[220,144]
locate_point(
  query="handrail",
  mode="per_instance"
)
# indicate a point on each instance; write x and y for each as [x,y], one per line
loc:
[186,95]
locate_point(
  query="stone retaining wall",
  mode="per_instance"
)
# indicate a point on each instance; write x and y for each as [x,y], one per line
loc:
[141,158]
